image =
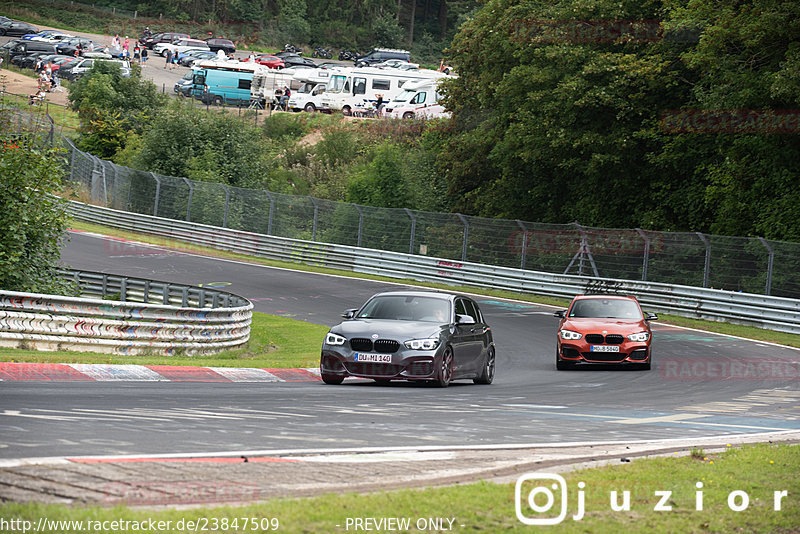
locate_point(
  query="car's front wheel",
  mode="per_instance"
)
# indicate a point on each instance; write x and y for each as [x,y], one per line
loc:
[446,369]
[333,380]
[487,373]
[562,365]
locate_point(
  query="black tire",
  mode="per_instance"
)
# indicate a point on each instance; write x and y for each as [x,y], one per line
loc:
[310,108]
[408,115]
[218,101]
[445,369]
[346,111]
[487,373]
[333,380]
[647,365]
[562,365]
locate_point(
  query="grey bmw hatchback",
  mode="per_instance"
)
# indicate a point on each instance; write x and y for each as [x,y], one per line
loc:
[411,335]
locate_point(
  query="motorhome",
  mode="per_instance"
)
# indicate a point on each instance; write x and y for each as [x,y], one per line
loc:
[417,100]
[223,82]
[352,88]
[308,96]
[268,85]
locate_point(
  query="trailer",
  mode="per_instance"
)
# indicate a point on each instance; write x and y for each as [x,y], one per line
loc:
[308,96]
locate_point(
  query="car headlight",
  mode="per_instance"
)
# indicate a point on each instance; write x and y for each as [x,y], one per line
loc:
[335,339]
[639,336]
[422,344]
[569,334]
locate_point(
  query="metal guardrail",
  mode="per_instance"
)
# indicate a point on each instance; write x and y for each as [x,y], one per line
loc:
[774,313]
[144,316]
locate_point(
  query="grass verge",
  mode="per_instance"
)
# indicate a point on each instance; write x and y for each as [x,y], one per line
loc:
[275,343]
[758,471]
[749,332]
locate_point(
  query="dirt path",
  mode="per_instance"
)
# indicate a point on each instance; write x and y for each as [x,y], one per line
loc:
[18,84]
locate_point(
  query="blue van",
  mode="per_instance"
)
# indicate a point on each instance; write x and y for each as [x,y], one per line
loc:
[222,83]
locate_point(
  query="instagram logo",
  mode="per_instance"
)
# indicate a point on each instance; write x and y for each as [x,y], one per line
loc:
[543,489]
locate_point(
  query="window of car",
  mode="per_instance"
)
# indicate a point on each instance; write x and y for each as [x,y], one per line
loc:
[461,308]
[419,98]
[605,309]
[471,311]
[382,85]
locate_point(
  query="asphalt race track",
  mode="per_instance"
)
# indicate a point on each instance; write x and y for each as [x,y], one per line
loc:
[701,384]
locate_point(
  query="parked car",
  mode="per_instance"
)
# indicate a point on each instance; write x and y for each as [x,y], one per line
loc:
[76,69]
[24,48]
[604,329]
[165,37]
[27,61]
[379,55]
[15,27]
[47,36]
[293,61]
[226,45]
[68,47]
[183,87]
[271,61]
[188,58]
[411,335]
[179,46]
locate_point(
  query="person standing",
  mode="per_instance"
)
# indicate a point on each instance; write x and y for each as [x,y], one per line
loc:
[136,53]
[144,56]
[168,62]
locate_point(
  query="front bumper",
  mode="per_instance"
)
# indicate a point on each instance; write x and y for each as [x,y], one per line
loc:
[404,365]
[629,353]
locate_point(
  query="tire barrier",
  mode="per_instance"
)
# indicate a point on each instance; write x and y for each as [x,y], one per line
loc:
[144,316]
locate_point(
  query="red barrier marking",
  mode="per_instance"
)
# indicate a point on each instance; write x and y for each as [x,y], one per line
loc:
[39,371]
[293,375]
[257,459]
[182,373]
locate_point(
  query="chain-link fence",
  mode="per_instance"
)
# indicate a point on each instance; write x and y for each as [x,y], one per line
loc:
[751,265]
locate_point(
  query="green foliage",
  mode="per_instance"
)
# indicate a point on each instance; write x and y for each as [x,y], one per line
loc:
[111,107]
[550,125]
[387,32]
[32,218]
[207,146]
[382,183]
[282,126]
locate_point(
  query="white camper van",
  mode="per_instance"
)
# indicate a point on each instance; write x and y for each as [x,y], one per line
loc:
[417,100]
[308,96]
[352,88]
[267,82]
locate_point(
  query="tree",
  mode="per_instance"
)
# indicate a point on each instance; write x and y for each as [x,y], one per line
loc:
[111,107]
[32,218]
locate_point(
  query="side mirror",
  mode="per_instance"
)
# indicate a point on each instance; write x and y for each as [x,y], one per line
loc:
[560,314]
[464,319]
[649,316]
[349,314]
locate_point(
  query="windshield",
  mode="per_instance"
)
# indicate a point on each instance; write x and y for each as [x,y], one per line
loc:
[606,309]
[306,88]
[406,308]
[336,84]
[405,96]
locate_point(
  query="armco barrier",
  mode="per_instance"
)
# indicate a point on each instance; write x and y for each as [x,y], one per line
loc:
[774,313]
[145,316]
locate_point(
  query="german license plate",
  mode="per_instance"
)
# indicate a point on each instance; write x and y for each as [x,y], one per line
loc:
[605,348]
[382,358]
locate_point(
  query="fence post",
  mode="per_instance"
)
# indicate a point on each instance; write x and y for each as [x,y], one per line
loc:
[360,223]
[524,243]
[271,208]
[189,202]
[707,269]
[158,193]
[770,263]
[646,259]
[466,236]
[413,230]
[227,202]
[316,213]
[105,184]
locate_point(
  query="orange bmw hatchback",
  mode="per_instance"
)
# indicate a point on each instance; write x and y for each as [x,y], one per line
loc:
[604,329]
